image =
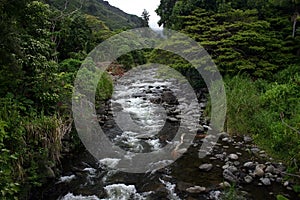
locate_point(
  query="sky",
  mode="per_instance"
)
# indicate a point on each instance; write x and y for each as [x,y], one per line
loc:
[137,7]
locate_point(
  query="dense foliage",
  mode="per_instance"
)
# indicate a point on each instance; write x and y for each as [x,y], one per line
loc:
[41,50]
[256,45]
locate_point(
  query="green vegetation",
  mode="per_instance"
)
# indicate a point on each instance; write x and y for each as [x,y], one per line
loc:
[255,44]
[41,50]
[113,17]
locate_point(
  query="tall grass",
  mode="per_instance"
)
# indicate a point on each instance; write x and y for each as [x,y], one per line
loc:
[269,111]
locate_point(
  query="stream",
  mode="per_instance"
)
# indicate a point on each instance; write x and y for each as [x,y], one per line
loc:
[157,111]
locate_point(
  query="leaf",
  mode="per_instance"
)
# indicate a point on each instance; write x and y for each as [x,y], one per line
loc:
[281,197]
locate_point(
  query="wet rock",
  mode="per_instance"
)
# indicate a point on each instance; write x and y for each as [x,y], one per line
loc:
[248,179]
[236,163]
[172,119]
[196,189]
[200,130]
[155,100]
[279,180]
[220,156]
[270,169]
[137,95]
[225,166]
[289,188]
[223,135]
[249,165]
[233,156]
[265,181]
[202,105]
[228,175]
[233,169]
[259,170]
[206,167]
[169,98]
[224,184]
[207,127]
[255,150]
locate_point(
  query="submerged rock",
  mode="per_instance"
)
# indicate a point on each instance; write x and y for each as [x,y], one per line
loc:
[265,181]
[206,167]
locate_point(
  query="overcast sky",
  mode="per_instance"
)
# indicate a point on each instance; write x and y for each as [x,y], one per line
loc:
[136,7]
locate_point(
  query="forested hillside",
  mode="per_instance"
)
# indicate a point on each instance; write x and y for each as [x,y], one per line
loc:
[113,17]
[256,45]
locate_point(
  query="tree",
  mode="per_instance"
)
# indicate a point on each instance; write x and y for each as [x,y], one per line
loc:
[146,17]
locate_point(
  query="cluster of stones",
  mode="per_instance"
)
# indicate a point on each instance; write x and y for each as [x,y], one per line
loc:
[237,172]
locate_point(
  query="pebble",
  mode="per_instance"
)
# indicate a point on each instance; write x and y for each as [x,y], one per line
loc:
[233,169]
[228,175]
[249,165]
[270,169]
[224,184]
[206,167]
[223,135]
[233,156]
[248,179]
[278,180]
[255,150]
[259,172]
[196,189]
[265,181]
[236,163]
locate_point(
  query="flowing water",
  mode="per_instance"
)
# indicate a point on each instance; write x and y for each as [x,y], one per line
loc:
[146,123]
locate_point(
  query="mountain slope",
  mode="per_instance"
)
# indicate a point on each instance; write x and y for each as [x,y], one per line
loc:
[113,17]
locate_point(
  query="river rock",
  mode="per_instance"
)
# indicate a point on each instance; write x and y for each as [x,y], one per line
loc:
[223,135]
[248,179]
[233,156]
[249,165]
[137,95]
[265,181]
[233,169]
[255,150]
[228,175]
[236,163]
[206,167]
[196,189]
[259,172]
[224,184]
[172,119]
[169,98]
[155,100]
[270,169]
